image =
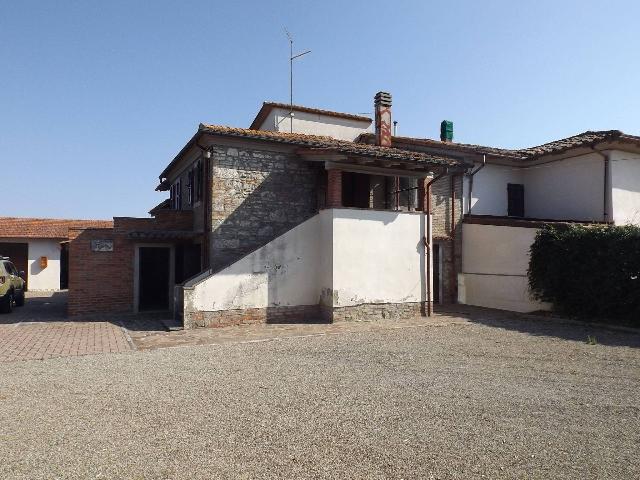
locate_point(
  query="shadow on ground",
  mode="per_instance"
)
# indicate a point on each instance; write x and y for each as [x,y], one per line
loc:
[46,307]
[541,326]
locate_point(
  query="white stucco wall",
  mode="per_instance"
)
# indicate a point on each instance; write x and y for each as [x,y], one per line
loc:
[314,124]
[377,257]
[494,268]
[38,278]
[281,273]
[490,189]
[340,257]
[571,189]
[625,187]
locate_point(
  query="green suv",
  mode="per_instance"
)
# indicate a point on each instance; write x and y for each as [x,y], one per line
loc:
[11,286]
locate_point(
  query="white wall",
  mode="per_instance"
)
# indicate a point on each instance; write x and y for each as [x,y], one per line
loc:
[282,273]
[38,278]
[314,124]
[377,257]
[490,189]
[339,257]
[494,268]
[571,189]
[625,187]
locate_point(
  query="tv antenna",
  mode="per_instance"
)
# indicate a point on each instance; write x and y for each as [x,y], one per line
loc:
[292,57]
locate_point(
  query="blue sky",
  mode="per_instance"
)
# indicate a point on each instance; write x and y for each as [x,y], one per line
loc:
[97,97]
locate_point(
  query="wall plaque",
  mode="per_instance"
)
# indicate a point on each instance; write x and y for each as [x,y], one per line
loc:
[102,245]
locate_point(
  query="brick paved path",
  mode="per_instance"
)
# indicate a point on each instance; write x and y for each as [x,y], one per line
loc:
[41,330]
[29,341]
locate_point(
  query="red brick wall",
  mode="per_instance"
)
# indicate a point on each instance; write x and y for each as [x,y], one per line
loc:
[334,188]
[100,282]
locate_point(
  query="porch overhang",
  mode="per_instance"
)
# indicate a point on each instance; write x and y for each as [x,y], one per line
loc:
[378,165]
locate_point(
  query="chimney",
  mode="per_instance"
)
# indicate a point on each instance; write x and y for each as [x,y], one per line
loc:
[382,103]
[446,131]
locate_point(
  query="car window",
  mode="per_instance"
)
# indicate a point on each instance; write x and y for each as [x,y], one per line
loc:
[7,267]
[14,270]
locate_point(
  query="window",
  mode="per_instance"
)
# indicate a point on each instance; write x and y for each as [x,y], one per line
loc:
[515,200]
[175,196]
[199,177]
[190,187]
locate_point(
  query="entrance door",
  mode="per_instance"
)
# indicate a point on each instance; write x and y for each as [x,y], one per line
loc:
[154,274]
[19,255]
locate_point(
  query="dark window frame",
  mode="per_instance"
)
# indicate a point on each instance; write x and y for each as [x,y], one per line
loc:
[515,200]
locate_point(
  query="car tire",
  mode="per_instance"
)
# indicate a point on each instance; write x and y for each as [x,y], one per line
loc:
[20,299]
[7,304]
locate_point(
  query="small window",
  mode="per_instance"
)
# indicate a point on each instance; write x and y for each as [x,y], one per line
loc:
[198,181]
[190,187]
[175,196]
[515,200]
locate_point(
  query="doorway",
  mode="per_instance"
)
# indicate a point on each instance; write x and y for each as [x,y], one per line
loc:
[437,268]
[154,277]
[18,253]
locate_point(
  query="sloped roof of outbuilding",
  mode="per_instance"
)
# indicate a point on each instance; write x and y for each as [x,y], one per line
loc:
[17,227]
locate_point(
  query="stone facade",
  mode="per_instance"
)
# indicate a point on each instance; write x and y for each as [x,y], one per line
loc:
[373,311]
[257,195]
[224,318]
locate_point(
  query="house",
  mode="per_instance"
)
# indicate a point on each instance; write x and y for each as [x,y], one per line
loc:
[590,178]
[39,247]
[265,224]
[308,214]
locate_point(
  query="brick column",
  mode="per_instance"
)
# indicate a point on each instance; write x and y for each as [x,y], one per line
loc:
[334,188]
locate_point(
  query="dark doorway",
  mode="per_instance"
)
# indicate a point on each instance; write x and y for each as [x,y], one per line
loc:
[188,262]
[355,190]
[18,253]
[154,278]
[515,200]
[64,265]
[436,273]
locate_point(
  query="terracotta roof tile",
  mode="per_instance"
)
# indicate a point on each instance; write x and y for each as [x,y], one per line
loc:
[583,139]
[268,106]
[15,227]
[339,146]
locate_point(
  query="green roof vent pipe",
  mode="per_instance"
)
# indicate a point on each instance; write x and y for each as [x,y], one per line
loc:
[446,131]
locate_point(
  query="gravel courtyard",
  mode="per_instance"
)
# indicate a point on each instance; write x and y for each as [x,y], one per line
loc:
[480,396]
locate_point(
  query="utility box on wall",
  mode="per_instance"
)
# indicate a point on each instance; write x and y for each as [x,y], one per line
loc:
[43,262]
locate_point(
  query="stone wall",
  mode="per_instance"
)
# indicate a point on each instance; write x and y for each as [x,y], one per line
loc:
[257,195]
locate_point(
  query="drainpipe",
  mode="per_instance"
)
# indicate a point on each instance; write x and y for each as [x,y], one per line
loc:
[473,172]
[605,200]
[428,241]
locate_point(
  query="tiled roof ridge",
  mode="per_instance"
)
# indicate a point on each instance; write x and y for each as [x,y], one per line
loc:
[318,141]
[589,137]
[267,106]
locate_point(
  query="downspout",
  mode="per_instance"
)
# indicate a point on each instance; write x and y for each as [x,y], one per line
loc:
[428,241]
[605,200]
[471,174]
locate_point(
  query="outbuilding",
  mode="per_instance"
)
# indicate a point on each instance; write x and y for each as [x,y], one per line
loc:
[39,247]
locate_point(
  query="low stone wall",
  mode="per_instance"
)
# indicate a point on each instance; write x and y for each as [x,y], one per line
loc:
[374,311]
[224,318]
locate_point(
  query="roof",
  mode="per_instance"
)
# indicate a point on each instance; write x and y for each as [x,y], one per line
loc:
[16,227]
[329,143]
[588,138]
[268,106]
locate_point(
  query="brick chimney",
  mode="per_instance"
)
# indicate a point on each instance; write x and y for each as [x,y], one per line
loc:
[382,103]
